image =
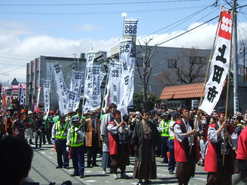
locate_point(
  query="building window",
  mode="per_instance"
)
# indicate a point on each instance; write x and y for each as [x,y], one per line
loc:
[172,63]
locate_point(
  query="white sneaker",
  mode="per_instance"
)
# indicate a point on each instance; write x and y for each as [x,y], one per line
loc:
[115,176]
[103,172]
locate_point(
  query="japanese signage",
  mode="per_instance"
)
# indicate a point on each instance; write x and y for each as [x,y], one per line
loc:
[219,64]
[61,89]
[46,92]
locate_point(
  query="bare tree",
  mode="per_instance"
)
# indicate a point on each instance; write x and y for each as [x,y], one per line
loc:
[145,69]
[186,67]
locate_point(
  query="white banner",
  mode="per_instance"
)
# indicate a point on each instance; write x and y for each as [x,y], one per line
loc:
[97,80]
[72,101]
[127,77]
[76,86]
[21,96]
[46,92]
[88,85]
[61,89]
[219,65]
[130,26]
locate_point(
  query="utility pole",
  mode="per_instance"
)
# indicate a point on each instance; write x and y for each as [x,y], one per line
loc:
[235,59]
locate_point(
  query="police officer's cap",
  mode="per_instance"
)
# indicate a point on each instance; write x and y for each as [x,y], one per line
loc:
[75,118]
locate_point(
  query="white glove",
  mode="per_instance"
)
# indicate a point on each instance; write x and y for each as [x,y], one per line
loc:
[67,148]
[76,129]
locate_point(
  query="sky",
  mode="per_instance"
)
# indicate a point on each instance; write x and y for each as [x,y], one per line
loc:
[63,28]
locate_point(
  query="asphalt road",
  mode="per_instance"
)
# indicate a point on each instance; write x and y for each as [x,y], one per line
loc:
[43,171]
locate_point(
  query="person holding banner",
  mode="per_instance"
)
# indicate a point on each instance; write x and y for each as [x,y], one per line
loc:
[186,148]
[118,144]
[219,155]
[104,137]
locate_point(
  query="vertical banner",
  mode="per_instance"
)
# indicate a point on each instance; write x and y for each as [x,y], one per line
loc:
[61,89]
[21,95]
[127,75]
[97,80]
[219,63]
[46,92]
[76,87]
[72,101]
[38,96]
[130,27]
[114,81]
[88,85]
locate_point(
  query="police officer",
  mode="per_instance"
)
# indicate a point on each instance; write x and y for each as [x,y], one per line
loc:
[59,134]
[164,133]
[75,140]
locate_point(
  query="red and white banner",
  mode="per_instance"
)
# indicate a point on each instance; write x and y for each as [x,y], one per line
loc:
[219,63]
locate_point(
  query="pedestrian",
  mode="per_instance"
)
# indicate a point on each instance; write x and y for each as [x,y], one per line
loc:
[59,135]
[30,127]
[242,154]
[186,148]
[92,130]
[39,129]
[48,120]
[15,160]
[118,144]
[219,161]
[172,162]
[75,140]
[104,137]
[145,140]
[164,133]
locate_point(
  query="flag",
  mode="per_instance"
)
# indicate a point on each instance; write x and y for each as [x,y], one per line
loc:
[219,63]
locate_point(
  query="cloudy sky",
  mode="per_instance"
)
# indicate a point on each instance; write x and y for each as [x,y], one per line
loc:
[30,28]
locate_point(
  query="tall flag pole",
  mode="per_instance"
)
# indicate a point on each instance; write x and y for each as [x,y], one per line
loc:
[219,63]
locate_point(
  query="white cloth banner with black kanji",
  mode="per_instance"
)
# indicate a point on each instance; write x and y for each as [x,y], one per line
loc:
[127,78]
[76,86]
[88,85]
[21,96]
[61,89]
[219,65]
[46,92]
[113,84]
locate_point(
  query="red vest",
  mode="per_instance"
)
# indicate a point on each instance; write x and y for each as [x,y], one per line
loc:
[211,162]
[181,149]
[112,141]
[242,145]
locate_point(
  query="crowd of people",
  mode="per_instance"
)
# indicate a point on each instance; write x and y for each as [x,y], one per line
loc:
[183,138]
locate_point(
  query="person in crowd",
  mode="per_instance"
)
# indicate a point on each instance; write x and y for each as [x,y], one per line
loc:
[39,128]
[118,144]
[242,154]
[2,131]
[20,123]
[172,162]
[59,134]
[164,133]
[15,160]
[186,147]
[48,120]
[154,118]
[75,140]
[30,127]
[145,140]
[104,136]
[8,123]
[92,129]
[219,155]
[203,146]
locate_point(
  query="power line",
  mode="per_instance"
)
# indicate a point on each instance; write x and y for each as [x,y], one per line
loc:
[13,69]
[186,32]
[99,4]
